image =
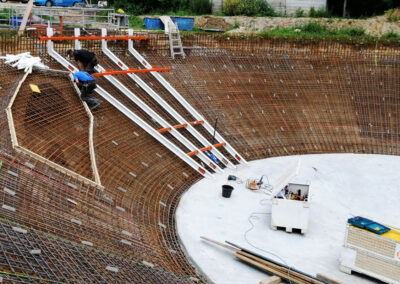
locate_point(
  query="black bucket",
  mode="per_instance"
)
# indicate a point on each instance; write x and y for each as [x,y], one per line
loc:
[227,190]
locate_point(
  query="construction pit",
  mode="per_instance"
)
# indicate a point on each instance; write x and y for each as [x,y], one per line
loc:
[91,196]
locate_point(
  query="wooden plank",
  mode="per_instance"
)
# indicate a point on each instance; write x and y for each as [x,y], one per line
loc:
[220,244]
[271,270]
[272,262]
[326,278]
[58,167]
[92,153]
[14,140]
[27,12]
[283,271]
[271,280]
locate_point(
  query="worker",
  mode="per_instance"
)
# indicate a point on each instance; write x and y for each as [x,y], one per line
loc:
[86,60]
[86,85]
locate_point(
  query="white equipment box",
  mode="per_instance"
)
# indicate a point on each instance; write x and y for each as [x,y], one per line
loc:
[290,208]
[375,255]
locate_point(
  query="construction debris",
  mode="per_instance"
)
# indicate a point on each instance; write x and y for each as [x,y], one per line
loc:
[24,61]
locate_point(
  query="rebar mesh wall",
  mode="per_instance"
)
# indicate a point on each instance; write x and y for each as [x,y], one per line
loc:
[272,97]
[277,97]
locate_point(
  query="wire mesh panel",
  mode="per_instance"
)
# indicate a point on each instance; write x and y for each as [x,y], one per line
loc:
[271,96]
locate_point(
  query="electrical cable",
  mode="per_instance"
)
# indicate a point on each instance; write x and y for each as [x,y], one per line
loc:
[252,216]
[239,180]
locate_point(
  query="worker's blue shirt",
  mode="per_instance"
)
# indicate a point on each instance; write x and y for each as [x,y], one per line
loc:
[83,76]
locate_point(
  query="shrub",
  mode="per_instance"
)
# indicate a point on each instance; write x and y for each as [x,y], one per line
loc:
[231,7]
[136,22]
[320,13]
[393,15]
[299,13]
[200,7]
[129,7]
[391,35]
[247,7]
[313,28]
[354,31]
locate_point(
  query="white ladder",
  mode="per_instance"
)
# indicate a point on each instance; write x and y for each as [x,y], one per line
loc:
[174,38]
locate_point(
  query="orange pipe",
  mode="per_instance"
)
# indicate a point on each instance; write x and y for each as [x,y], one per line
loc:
[205,148]
[180,126]
[130,70]
[192,153]
[162,130]
[219,144]
[196,122]
[45,38]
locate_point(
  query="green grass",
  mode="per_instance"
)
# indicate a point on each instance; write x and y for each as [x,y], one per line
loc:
[315,32]
[353,31]
[317,29]
[219,14]
[391,36]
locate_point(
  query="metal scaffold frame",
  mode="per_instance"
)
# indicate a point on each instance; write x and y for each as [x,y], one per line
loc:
[149,111]
[185,104]
[168,108]
[122,108]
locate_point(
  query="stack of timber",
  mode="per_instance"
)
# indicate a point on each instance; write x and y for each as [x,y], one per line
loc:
[271,266]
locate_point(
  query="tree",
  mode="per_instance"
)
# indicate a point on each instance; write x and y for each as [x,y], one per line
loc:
[361,8]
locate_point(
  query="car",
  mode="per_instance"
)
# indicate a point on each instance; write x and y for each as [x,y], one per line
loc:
[63,3]
[22,1]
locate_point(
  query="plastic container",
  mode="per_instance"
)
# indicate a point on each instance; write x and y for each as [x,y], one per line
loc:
[369,225]
[153,23]
[16,21]
[183,23]
[359,222]
[377,228]
[227,190]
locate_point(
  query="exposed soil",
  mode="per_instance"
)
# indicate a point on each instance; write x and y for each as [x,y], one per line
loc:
[238,24]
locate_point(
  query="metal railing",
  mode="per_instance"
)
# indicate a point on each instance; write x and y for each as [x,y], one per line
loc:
[11,17]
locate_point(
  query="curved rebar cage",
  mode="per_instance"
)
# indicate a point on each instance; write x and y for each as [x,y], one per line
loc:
[273,97]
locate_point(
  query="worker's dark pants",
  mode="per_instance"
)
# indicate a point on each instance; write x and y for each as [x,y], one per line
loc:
[90,66]
[86,89]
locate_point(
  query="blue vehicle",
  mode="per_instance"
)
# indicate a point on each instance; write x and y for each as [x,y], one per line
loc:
[63,3]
